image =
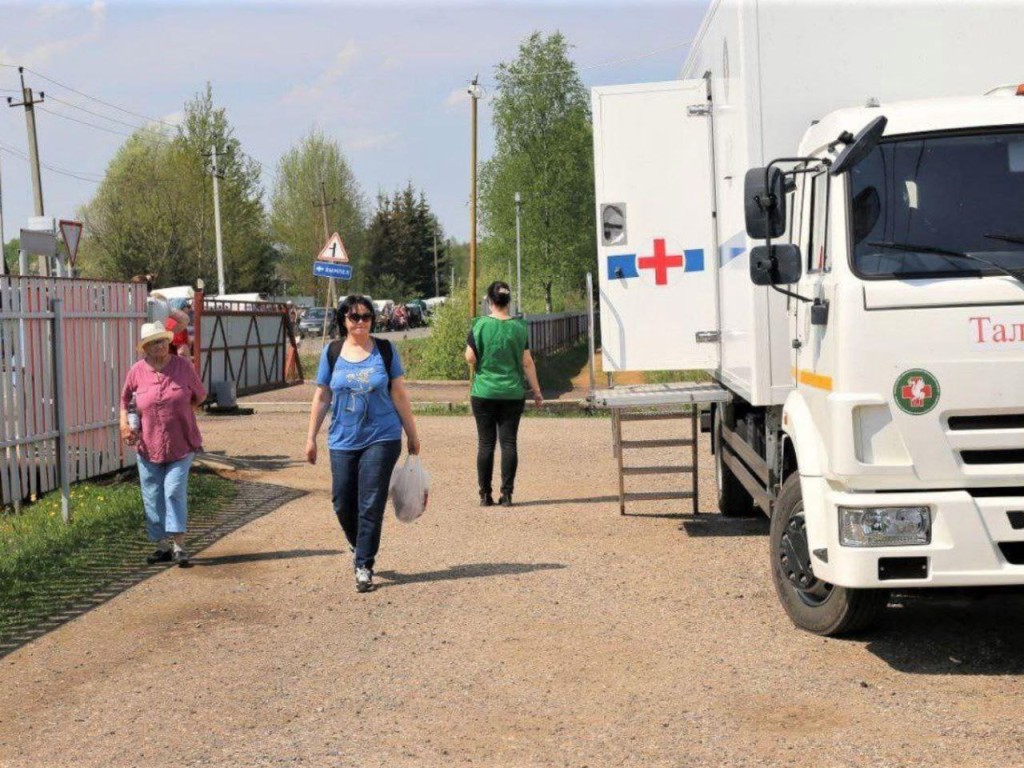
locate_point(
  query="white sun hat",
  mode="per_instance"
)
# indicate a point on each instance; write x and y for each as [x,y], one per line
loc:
[151,332]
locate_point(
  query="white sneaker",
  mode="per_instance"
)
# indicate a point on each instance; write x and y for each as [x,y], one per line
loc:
[364,580]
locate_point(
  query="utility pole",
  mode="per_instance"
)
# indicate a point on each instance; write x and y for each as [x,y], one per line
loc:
[29,102]
[519,259]
[323,205]
[474,92]
[437,282]
[215,172]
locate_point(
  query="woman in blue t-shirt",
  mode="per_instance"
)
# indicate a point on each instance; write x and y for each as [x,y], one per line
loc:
[369,406]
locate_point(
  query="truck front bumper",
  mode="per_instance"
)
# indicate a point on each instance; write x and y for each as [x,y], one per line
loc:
[973,541]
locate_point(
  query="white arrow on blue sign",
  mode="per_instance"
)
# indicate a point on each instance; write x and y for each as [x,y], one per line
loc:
[337,271]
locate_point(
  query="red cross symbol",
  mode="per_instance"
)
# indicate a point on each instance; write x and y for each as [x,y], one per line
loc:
[916,391]
[660,262]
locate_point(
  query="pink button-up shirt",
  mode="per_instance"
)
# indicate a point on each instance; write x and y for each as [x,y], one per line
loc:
[164,402]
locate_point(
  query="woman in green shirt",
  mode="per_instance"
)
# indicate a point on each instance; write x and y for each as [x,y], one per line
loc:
[498,350]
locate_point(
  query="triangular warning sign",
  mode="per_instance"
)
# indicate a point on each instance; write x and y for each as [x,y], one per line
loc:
[334,251]
[72,232]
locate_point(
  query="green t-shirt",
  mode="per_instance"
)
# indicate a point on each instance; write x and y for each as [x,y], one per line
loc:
[499,346]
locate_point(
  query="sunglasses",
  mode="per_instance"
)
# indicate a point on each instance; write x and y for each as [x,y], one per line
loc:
[356,317]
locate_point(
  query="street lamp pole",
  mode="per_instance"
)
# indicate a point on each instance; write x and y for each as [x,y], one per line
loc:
[519,259]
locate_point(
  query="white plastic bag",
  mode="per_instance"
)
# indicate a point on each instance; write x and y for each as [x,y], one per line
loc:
[410,489]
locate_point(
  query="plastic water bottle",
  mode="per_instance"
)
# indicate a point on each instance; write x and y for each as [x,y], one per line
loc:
[134,421]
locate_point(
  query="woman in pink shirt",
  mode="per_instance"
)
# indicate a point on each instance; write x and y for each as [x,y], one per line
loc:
[165,389]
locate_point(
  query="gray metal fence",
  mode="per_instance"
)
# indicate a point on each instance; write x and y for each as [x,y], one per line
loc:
[554,332]
[65,349]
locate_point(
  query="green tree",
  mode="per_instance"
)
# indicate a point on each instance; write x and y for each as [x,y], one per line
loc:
[543,150]
[153,212]
[10,254]
[296,218]
[401,247]
[443,356]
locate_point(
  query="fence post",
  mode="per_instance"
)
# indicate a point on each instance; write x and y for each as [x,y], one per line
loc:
[59,408]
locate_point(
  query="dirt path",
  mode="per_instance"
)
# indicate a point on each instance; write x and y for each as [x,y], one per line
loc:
[553,634]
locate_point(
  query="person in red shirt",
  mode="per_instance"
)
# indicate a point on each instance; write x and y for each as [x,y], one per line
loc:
[163,390]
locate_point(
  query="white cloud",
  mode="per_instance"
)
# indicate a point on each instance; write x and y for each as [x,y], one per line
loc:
[98,9]
[456,98]
[342,65]
[376,141]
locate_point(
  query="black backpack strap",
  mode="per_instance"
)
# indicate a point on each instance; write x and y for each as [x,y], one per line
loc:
[333,350]
[387,354]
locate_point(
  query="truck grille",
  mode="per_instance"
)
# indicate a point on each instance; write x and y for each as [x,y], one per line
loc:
[987,421]
[993,440]
[1008,456]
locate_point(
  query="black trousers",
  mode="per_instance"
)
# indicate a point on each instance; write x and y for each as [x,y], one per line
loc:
[497,421]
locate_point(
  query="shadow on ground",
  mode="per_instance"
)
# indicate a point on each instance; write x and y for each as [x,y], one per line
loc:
[556,372]
[260,462]
[716,525]
[258,557]
[468,571]
[583,500]
[952,632]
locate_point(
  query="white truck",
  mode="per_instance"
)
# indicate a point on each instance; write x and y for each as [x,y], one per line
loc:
[826,211]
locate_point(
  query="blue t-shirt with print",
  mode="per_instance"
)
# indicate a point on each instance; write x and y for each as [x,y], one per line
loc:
[361,412]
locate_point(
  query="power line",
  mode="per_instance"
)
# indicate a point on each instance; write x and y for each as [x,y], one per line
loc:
[80,175]
[83,122]
[93,98]
[105,117]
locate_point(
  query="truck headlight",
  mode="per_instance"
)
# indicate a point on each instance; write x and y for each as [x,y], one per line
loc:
[884,526]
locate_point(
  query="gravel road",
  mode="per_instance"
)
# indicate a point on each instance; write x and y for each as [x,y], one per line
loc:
[555,633]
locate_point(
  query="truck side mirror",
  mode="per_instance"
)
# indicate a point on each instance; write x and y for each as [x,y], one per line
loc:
[779,265]
[765,207]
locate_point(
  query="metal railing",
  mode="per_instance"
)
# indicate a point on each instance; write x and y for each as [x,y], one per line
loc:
[555,332]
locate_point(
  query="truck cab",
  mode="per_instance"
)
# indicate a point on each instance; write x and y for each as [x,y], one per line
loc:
[901,455]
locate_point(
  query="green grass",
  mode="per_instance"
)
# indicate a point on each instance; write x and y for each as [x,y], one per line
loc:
[670,377]
[45,564]
[410,350]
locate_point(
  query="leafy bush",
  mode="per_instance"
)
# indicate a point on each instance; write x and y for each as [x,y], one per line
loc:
[443,353]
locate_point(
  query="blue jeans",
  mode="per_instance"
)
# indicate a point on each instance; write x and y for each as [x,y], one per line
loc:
[164,495]
[359,490]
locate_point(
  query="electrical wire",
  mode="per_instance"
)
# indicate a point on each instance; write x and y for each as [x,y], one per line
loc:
[80,175]
[81,122]
[93,98]
[149,137]
[105,117]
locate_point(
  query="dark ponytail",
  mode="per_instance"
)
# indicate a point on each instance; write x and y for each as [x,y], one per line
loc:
[499,294]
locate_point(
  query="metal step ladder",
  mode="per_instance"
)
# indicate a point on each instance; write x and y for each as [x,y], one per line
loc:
[687,471]
[657,402]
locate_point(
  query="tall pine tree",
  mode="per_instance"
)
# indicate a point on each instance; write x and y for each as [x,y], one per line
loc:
[401,248]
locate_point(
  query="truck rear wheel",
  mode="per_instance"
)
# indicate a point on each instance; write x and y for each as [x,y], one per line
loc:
[733,498]
[811,603]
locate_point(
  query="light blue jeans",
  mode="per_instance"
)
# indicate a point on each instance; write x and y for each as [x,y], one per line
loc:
[164,491]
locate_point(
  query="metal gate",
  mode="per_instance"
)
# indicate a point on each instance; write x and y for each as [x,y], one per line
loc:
[250,343]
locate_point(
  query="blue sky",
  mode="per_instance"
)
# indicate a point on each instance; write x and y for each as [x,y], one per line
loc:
[387,80]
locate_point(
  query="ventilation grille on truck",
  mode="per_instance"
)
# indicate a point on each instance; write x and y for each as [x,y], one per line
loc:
[997,456]
[987,421]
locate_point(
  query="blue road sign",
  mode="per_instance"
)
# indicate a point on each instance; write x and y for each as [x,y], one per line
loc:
[338,271]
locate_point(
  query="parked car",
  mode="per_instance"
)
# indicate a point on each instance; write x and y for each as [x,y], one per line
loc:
[416,313]
[312,322]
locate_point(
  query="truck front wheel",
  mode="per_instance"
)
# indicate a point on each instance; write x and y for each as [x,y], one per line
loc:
[811,603]
[733,499]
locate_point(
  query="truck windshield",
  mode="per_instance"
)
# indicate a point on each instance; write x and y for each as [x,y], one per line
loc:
[958,193]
